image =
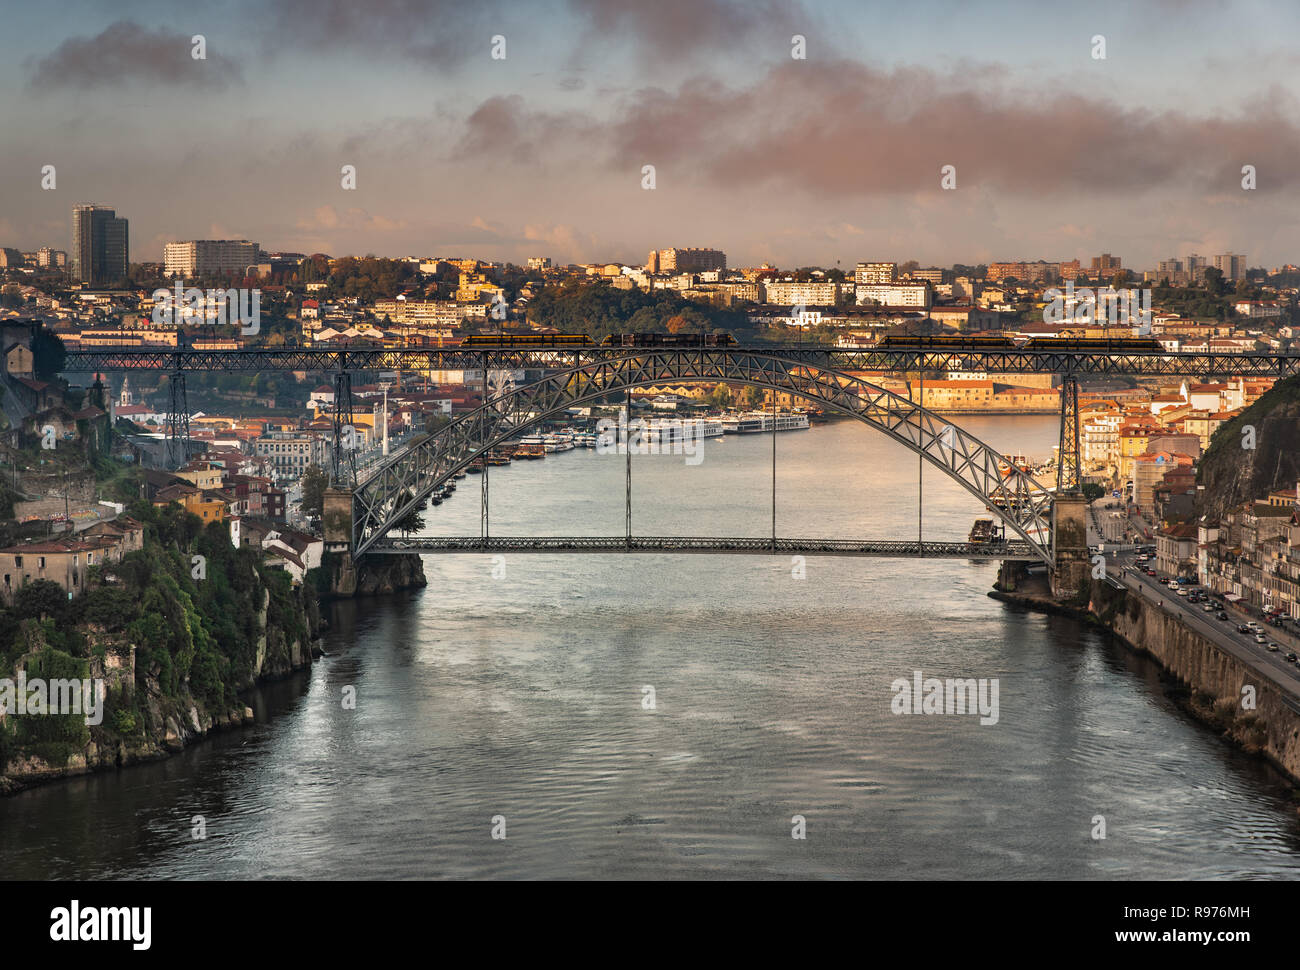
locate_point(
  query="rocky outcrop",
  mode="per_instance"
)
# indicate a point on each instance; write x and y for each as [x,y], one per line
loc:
[167,723]
[345,577]
[1255,452]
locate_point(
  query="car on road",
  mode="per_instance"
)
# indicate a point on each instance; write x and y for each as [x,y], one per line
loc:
[1207,608]
[1180,591]
[1144,558]
[1292,657]
[1273,648]
[1260,638]
[1222,615]
[1242,628]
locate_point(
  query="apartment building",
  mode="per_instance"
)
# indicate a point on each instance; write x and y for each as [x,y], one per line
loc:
[805,294]
[874,274]
[292,452]
[894,294]
[209,257]
[690,260]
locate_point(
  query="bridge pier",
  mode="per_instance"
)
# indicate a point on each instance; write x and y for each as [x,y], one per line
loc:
[1072,566]
[1009,573]
[337,519]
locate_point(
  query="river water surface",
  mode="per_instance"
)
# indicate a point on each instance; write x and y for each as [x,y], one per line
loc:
[523,696]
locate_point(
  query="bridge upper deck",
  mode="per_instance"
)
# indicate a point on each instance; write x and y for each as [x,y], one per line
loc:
[895,358]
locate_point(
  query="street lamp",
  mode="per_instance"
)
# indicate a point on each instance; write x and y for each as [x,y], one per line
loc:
[385,385]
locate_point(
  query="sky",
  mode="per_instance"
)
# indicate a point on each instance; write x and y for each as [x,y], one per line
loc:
[828,159]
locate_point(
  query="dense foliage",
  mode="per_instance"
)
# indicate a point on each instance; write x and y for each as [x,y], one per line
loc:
[189,602]
[599,309]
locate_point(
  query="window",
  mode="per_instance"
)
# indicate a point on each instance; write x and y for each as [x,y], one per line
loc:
[40,562]
[18,561]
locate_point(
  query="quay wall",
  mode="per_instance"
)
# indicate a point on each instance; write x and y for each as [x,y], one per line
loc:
[1248,707]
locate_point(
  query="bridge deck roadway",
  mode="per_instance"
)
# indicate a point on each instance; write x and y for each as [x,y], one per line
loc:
[1018,551]
[894,359]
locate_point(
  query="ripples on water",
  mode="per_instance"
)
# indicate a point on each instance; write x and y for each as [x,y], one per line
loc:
[523,698]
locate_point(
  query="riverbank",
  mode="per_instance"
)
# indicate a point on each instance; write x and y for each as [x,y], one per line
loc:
[142,717]
[1246,707]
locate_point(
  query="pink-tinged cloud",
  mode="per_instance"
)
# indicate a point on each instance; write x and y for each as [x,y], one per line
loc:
[845,129]
[672,30]
[126,52]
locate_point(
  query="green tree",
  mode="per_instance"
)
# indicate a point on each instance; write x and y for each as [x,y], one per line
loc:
[412,521]
[1214,281]
[40,599]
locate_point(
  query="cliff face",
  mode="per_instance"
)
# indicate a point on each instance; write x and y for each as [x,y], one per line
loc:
[143,719]
[1248,708]
[170,662]
[1232,473]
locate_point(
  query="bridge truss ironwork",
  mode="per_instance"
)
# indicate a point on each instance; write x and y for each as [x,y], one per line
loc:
[994,361]
[888,549]
[382,498]
[572,376]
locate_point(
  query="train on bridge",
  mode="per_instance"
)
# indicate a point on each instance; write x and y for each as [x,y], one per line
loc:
[533,341]
[1114,345]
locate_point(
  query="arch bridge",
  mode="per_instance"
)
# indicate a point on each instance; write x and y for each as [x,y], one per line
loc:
[358,518]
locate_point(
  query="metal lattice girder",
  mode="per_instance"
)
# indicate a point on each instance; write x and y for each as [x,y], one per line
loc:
[178,421]
[1038,361]
[1067,454]
[343,444]
[1011,493]
[887,549]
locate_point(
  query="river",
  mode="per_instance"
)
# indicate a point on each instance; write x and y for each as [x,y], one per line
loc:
[522,696]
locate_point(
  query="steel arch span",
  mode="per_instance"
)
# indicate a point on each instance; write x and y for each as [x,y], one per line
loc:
[1013,496]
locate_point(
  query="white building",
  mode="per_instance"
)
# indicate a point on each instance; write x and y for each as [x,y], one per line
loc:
[867,274]
[801,294]
[209,257]
[894,294]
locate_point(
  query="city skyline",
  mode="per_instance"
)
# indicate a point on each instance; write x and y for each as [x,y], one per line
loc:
[769,158]
[203,256]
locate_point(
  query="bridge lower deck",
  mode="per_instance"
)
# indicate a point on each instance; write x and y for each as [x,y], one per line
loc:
[885,549]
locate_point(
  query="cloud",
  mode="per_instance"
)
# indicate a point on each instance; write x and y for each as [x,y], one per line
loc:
[672,30]
[436,34]
[504,126]
[842,128]
[125,52]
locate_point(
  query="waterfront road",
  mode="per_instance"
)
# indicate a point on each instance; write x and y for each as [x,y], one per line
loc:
[1272,665]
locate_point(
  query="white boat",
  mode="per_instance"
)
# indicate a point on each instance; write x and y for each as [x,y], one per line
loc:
[558,442]
[669,430]
[754,422]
